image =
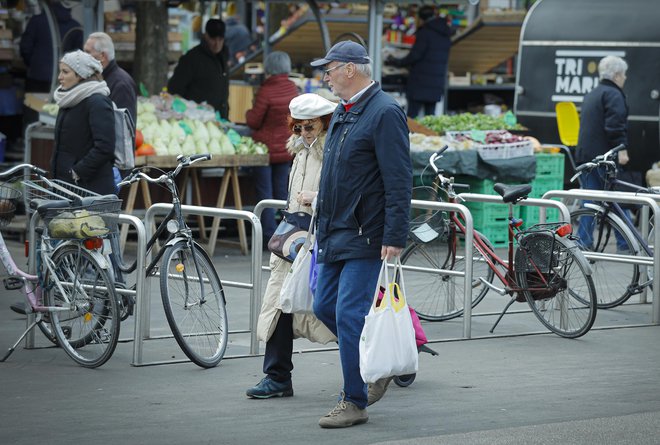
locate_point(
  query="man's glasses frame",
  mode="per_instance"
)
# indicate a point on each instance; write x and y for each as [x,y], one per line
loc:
[327,72]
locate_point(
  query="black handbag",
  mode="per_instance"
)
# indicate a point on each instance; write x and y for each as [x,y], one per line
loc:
[290,235]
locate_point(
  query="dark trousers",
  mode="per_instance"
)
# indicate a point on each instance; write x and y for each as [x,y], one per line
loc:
[414,107]
[279,349]
[271,182]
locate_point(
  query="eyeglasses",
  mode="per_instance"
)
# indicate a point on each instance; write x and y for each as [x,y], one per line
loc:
[327,72]
[300,128]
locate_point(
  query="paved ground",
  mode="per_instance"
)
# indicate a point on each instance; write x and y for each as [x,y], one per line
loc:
[520,385]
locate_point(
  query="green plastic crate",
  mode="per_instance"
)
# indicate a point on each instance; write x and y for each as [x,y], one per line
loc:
[542,184]
[550,165]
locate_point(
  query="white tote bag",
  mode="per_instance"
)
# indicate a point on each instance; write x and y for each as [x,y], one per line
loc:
[296,295]
[387,343]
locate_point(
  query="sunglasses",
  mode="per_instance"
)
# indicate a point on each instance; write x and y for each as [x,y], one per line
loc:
[300,128]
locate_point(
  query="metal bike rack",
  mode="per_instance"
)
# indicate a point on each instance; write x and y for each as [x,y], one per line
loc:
[426,205]
[627,198]
[143,308]
[534,202]
[141,247]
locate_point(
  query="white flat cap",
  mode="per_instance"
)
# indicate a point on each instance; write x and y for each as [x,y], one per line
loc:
[310,106]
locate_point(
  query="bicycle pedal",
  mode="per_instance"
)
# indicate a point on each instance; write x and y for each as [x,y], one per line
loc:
[13,283]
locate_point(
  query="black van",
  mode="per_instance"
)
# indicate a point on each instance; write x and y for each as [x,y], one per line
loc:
[561,43]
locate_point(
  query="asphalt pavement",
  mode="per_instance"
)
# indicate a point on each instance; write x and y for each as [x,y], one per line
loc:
[520,385]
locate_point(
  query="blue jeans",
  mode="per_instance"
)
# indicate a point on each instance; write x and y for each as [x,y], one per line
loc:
[343,297]
[271,182]
[593,181]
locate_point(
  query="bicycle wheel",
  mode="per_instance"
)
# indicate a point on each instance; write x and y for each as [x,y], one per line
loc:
[194,303]
[554,274]
[88,326]
[438,296]
[616,282]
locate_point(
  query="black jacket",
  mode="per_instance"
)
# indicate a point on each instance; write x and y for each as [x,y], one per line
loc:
[603,121]
[85,143]
[428,60]
[202,76]
[366,179]
[123,91]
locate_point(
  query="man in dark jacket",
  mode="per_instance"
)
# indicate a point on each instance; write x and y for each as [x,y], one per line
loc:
[427,60]
[202,74]
[603,125]
[123,90]
[363,212]
[36,46]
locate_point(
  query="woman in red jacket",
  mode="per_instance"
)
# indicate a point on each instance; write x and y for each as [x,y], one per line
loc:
[268,121]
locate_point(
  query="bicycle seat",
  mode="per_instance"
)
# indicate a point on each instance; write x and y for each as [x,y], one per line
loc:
[512,193]
[42,205]
[89,200]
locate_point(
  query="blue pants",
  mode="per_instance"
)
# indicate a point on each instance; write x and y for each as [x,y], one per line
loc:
[593,181]
[271,182]
[343,296]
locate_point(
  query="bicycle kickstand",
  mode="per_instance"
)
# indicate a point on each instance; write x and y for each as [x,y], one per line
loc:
[32,325]
[506,308]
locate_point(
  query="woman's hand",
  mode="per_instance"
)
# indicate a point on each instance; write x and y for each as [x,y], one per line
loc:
[305,198]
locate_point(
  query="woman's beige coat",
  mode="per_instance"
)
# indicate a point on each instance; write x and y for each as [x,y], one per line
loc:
[305,175]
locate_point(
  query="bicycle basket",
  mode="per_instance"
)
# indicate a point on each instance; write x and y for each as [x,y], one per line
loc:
[53,189]
[8,199]
[537,257]
[429,224]
[96,219]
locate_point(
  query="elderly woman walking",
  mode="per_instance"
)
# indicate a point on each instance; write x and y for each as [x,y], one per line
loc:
[85,126]
[309,119]
[267,119]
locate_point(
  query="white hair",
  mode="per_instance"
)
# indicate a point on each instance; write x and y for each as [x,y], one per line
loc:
[610,66]
[103,44]
[364,69]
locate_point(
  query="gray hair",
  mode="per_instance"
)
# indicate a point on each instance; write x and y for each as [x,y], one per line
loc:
[610,66]
[277,62]
[364,69]
[103,44]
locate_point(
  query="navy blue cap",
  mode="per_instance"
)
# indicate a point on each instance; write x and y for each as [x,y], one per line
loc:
[345,51]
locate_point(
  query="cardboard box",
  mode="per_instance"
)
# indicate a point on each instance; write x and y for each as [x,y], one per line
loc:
[36,101]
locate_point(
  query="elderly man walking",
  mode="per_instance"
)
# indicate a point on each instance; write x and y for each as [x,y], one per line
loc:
[123,90]
[363,213]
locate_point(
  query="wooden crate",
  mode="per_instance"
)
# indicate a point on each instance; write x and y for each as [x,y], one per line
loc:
[240,100]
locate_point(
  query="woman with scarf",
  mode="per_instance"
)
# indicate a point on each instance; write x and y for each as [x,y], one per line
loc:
[85,126]
[309,118]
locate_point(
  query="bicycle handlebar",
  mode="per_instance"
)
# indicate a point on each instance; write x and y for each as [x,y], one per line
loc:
[604,159]
[32,168]
[182,160]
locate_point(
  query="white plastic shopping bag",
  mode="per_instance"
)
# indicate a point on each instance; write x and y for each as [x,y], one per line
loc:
[387,342]
[296,294]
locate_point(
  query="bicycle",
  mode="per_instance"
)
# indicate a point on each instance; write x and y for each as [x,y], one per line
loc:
[605,228]
[191,291]
[546,269]
[71,294]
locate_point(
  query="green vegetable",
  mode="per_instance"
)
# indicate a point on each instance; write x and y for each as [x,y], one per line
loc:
[469,121]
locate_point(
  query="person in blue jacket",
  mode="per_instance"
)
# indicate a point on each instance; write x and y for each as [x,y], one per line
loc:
[363,210]
[427,62]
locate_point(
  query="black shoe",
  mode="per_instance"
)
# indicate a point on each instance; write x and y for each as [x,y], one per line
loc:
[268,388]
[18,307]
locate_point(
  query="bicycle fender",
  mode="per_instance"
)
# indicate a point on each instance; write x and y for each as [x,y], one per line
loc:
[572,245]
[174,240]
[98,256]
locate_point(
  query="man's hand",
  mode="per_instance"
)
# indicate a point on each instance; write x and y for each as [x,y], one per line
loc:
[387,252]
[623,157]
